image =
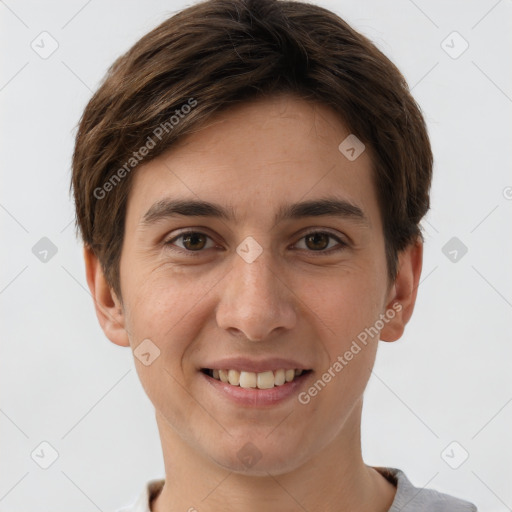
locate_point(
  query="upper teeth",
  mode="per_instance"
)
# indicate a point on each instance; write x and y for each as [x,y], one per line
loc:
[262,380]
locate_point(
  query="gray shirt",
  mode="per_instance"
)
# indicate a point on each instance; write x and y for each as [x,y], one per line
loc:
[407,498]
[413,499]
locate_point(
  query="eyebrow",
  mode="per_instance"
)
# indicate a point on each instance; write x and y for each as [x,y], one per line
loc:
[330,206]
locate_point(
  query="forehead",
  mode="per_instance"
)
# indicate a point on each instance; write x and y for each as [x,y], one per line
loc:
[258,157]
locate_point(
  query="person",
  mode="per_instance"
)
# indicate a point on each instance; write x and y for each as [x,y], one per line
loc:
[249,180]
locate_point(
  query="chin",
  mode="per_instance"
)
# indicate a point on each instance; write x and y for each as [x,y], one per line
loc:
[259,457]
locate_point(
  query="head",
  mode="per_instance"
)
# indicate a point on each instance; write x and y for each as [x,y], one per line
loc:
[251,106]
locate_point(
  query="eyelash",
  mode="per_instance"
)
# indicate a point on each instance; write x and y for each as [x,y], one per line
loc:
[342,244]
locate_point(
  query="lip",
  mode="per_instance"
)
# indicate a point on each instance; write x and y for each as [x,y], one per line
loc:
[255,365]
[254,397]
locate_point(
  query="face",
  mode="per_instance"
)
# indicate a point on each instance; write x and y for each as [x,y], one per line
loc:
[287,276]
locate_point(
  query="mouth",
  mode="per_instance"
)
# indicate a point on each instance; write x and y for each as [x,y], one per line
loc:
[256,380]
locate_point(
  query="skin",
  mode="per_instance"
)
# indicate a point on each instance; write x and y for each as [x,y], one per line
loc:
[292,301]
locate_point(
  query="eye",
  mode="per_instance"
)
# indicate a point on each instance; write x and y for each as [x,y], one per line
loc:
[196,241]
[193,241]
[318,241]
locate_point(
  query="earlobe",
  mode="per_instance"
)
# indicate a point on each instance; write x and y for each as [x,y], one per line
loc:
[402,296]
[108,307]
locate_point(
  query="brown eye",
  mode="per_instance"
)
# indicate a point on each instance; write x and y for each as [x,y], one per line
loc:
[317,241]
[194,241]
[321,241]
[191,241]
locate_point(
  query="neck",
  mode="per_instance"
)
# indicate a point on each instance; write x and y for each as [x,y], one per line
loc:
[334,480]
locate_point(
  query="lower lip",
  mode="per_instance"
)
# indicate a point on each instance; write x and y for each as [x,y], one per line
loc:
[255,397]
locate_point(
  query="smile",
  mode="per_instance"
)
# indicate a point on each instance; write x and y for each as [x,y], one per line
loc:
[260,380]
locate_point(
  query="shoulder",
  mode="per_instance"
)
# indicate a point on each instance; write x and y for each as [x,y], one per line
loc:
[409,498]
[149,492]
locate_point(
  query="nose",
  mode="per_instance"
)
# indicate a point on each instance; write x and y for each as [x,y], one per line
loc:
[255,300]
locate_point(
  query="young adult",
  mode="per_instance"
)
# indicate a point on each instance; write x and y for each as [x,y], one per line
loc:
[249,181]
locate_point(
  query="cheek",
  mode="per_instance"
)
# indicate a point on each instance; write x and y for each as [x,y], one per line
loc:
[168,309]
[161,310]
[346,304]
[350,307]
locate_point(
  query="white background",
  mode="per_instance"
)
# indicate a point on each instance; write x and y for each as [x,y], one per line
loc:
[448,379]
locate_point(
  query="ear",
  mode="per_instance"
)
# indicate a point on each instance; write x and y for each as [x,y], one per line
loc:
[402,294]
[108,307]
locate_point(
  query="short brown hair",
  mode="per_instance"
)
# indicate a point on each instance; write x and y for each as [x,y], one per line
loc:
[219,53]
